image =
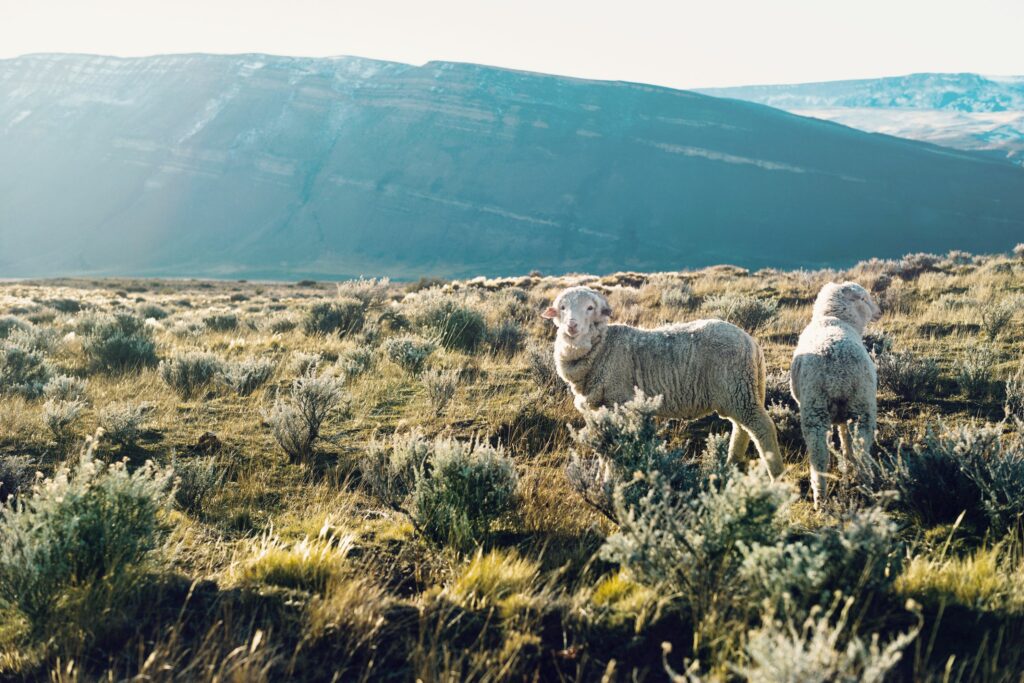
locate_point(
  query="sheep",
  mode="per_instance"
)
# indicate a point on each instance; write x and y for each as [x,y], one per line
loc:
[833,378]
[698,368]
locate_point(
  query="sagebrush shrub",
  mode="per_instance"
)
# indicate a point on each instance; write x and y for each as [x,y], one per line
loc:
[117,343]
[463,490]
[541,362]
[506,337]
[997,315]
[745,310]
[453,323]
[303,363]
[1014,407]
[65,388]
[17,473]
[904,374]
[824,647]
[341,317]
[151,311]
[913,265]
[369,291]
[22,371]
[60,418]
[355,362]
[196,480]
[410,353]
[677,296]
[298,420]
[10,323]
[693,546]
[221,322]
[122,422]
[617,444]
[441,386]
[948,471]
[92,523]
[974,372]
[389,469]
[190,372]
[281,324]
[877,343]
[246,376]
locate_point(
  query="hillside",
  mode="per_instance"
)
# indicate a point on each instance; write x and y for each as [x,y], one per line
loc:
[965,111]
[257,166]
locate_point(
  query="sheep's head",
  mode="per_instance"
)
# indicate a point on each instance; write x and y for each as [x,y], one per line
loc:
[577,311]
[847,301]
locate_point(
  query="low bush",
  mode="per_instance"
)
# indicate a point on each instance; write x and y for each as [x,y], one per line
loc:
[617,445]
[196,481]
[342,317]
[462,491]
[506,338]
[246,376]
[60,417]
[410,353]
[22,371]
[824,647]
[221,322]
[117,343]
[441,386]
[298,420]
[997,315]
[355,362]
[92,524]
[974,372]
[389,470]
[453,323]
[745,310]
[10,323]
[122,422]
[65,388]
[190,372]
[904,374]
[1014,407]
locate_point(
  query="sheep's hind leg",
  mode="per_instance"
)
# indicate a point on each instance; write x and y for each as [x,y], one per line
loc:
[816,437]
[845,446]
[738,443]
[762,430]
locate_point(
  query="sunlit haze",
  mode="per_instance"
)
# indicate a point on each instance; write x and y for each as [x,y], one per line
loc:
[679,44]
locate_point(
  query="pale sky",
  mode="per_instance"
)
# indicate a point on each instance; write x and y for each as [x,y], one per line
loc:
[679,43]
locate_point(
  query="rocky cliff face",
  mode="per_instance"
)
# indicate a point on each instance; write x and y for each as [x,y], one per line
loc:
[261,166]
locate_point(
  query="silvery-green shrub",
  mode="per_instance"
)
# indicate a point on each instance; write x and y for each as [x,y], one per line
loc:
[615,445]
[441,386]
[298,420]
[22,371]
[904,374]
[388,469]
[65,388]
[189,372]
[744,310]
[117,343]
[342,317]
[409,352]
[463,489]
[454,323]
[122,422]
[93,522]
[221,322]
[196,481]
[246,376]
[60,418]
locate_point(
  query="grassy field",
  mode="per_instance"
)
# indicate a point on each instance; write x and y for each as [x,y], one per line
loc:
[386,481]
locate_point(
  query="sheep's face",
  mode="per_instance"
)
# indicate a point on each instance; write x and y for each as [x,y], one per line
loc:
[577,311]
[847,301]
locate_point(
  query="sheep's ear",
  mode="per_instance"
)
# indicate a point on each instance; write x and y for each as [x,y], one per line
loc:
[549,313]
[606,308]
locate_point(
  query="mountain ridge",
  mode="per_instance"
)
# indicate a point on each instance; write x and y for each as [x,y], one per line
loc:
[255,165]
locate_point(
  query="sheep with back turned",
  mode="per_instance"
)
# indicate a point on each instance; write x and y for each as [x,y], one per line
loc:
[833,378]
[698,368]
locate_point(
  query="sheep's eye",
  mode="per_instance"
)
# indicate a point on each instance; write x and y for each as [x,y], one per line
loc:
[590,308]
[563,308]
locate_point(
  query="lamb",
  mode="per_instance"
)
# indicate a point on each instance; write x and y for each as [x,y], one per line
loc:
[833,379]
[698,368]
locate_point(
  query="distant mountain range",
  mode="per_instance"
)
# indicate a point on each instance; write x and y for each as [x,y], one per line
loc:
[257,166]
[965,111]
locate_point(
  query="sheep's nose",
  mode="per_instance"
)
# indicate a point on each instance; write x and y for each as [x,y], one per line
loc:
[573,325]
